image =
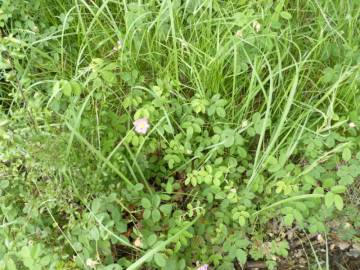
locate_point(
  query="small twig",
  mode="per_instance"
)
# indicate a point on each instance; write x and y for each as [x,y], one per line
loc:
[252,265]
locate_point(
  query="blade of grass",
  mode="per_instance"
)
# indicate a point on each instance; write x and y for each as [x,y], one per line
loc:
[291,199]
[159,247]
[98,154]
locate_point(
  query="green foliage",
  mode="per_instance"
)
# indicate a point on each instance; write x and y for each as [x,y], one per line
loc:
[253,114]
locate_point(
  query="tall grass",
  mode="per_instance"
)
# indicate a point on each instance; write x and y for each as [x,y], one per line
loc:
[298,77]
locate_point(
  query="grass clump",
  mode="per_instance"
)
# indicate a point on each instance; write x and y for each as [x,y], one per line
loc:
[176,134]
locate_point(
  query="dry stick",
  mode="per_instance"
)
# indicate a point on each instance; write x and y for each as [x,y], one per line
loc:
[252,265]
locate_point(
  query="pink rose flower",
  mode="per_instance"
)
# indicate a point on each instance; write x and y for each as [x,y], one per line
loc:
[141,125]
[203,267]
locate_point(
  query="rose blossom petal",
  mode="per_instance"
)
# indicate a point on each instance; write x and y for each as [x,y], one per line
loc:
[141,125]
[203,267]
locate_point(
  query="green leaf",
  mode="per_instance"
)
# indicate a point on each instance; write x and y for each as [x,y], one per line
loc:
[96,205]
[297,215]
[242,243]
[155,214]
[338,189]
[94,234]
[160,246]
[66,88]
[189,132]
[113,266]
[4,184]
[151,239]
[160,259]
[10,264]
[108,76]
[29,262]
[166,209]
[97,83]
[286,15]
[329,199]
[147,214]
[328,182]
[172,264]
[220,111]
[110,66]
[236,215]
[25,252]
[241,255]
[242,221]
[211,110]
[156,200]
[346,180]
[138,187]
[346,154]
[56,88]
[76,88]
[217,182]
[274,168]
[145,202]
[339,204]
[310,180]
[228,137]
[272,160]
[288,219]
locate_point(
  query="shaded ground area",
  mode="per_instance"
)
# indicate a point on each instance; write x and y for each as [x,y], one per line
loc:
[311,252]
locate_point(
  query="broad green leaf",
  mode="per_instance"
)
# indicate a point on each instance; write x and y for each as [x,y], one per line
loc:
[309,180]
[242,221]
[339,204]
[274,168]
[156,200]
[297,215]
[110,66]
[166,209]
[236,215]
[155,214]
[211,110]
[66,88]
[172,264]
[318,194]
[97,83]
[220,112]
[346,180]
[286,15]
[329,199]
[29,262]
[160,259]
[272,160]
[338,189]
[145,202]
[328,182]
[346,154]
[25,252]
[10,264]
[288,219]
[94,234]
[76,88]
[228,137]
[45,260]
[113,267]
[138,187]
[151,239]
[108,76]
[241,255]
[147,213]
[56,88]
[4,184]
